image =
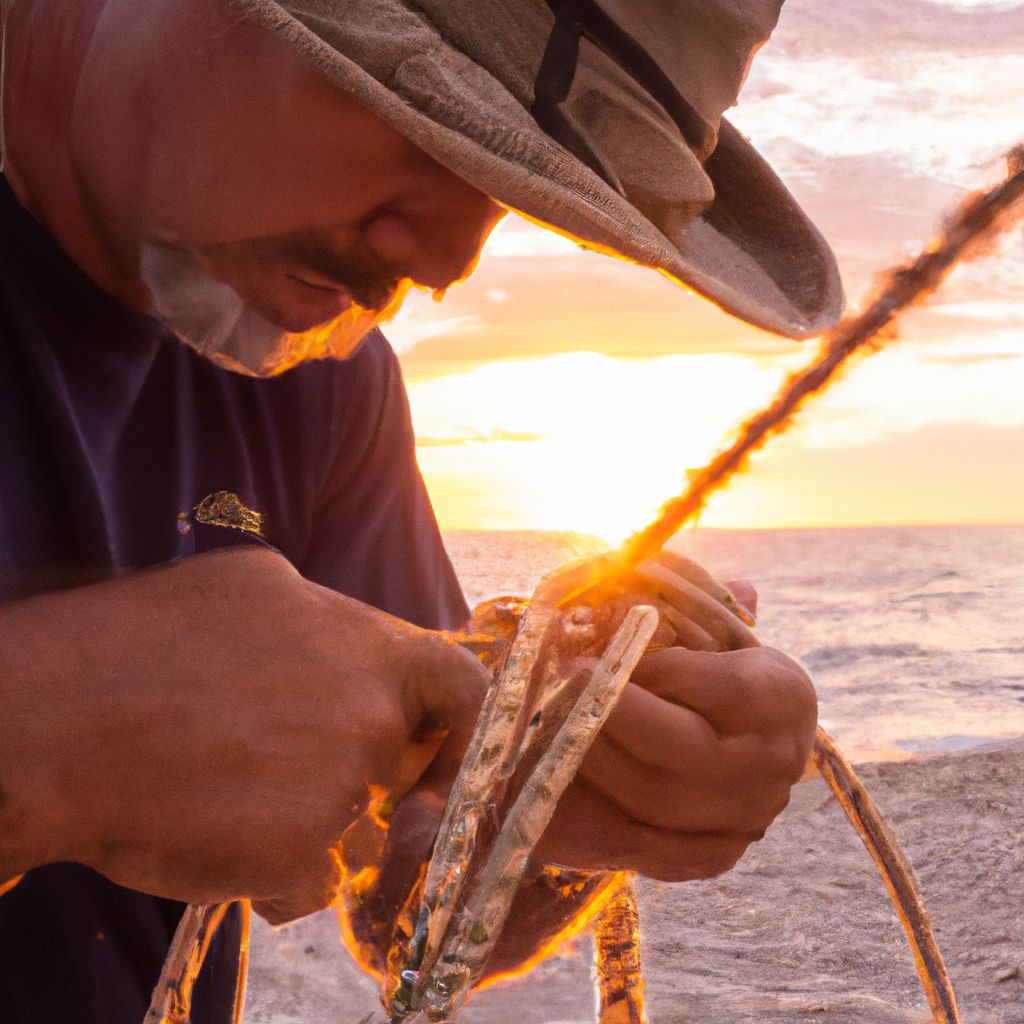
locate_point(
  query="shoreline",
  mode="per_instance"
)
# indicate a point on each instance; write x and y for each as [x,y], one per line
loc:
[801,930]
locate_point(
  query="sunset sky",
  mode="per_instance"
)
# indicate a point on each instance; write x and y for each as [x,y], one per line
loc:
[559,389]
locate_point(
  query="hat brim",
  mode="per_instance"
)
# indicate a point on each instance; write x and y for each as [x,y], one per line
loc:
[752,251]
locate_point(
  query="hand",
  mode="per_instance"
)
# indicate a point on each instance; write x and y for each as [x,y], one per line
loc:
[694,763]
[207,730]
[700,753]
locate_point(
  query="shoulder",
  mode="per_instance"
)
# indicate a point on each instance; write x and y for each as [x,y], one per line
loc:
[353,413]
[368,379]
[366,394]
[323,400]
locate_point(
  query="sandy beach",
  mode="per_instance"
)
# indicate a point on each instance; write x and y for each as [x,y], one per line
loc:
[801,930]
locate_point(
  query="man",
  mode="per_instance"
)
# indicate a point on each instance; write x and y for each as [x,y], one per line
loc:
[262,182]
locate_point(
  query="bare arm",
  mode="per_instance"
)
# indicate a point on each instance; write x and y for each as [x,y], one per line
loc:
[207,730]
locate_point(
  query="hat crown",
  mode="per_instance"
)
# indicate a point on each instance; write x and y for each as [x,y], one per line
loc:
[703,47]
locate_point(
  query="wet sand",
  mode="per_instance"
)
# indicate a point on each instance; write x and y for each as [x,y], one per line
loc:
[800,931]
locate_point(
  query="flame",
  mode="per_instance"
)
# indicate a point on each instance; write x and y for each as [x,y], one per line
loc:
[381,805]
[362,953]
[10,884]
[583,917]
[355,886]
[968,234]
[358,882]
[620,980]
[363,880]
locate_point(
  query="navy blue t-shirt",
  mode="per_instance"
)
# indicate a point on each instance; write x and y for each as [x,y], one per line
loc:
[111,432]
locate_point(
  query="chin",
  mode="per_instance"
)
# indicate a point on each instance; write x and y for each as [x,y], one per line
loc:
[315,314]
[259,348]
[221,325]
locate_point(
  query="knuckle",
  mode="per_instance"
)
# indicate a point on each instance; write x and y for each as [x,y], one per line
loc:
[761,805]
[783,690]
[724,858]
[709,857]
[465,676]
[751,667]
[793,679]
[379,720]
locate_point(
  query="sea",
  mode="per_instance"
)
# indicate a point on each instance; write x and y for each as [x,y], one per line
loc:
[914,636]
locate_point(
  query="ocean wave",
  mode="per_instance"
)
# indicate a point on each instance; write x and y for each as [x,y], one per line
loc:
[845,654]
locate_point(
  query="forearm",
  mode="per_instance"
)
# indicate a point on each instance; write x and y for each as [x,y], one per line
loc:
[207,730]
[94,676]
[32,830]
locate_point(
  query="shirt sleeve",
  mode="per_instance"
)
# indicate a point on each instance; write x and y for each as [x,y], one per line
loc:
[375,537]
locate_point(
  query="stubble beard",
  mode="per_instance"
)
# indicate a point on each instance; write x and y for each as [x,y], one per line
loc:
[211,318]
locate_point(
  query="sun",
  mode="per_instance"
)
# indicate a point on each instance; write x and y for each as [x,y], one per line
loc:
[580,442]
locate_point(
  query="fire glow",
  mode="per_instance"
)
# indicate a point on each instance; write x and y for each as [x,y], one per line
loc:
[968,234]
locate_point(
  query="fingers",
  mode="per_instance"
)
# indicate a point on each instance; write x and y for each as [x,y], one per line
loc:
[445,684]
[687,633]
[753,690]
[590,832]
[573,577]
[441,695]
[444,691]
[705,742]
[650,727]
[703,614]
[663,765]
[406,846]
[700,577]
[746,596]
[738,792]
[714,617]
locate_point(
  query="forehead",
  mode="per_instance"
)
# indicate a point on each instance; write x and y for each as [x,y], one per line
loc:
[238,133]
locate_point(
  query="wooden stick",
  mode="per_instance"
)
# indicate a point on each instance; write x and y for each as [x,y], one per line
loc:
[620,980]
[468,946]
[171,1002]
[896,873]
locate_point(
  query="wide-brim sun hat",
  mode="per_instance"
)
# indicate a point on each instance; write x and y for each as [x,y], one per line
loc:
[601,119]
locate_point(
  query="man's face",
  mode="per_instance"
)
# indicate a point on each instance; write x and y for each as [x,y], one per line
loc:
[268,215]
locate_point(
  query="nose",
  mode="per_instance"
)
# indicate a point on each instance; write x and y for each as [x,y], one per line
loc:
[436,238]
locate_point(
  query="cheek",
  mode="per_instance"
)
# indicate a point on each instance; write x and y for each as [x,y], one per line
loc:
[262,159]
[207,193]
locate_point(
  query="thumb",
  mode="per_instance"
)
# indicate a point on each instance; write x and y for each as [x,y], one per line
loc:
[444,694]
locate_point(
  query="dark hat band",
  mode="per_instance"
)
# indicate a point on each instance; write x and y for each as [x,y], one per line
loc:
[585,18]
